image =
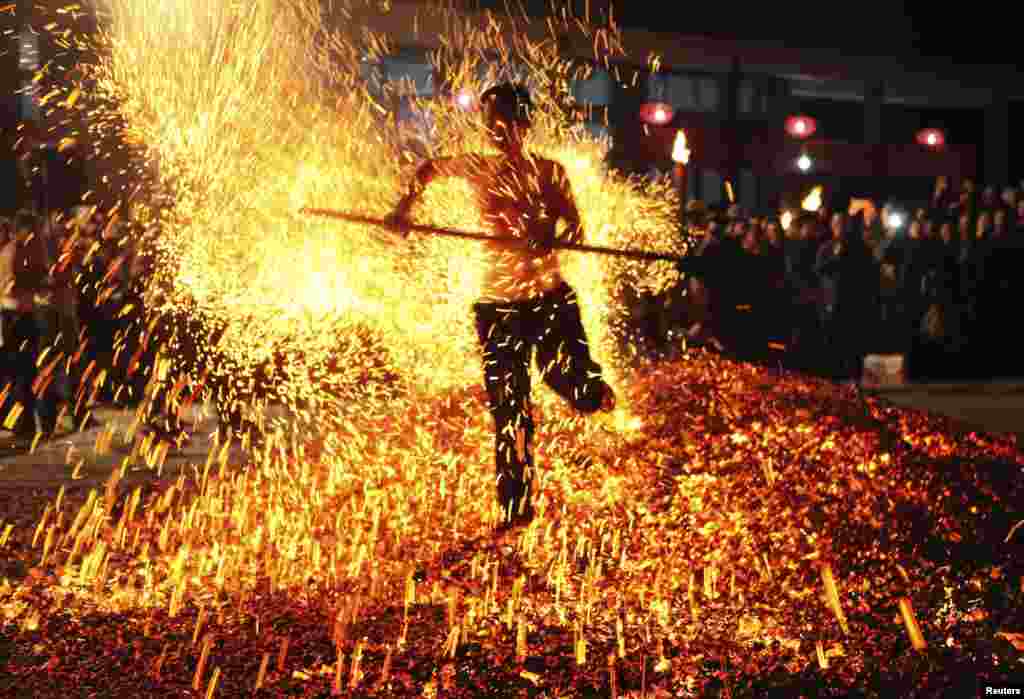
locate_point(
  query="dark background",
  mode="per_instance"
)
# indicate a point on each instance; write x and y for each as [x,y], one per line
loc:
[915,33]
[969,34]
[926,36]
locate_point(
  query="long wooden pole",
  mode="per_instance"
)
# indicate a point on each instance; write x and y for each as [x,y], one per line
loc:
[435,230]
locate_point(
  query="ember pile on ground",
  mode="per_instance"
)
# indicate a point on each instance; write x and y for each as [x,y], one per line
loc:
[760,534]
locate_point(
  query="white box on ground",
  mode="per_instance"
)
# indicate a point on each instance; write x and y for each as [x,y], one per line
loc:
[884,369]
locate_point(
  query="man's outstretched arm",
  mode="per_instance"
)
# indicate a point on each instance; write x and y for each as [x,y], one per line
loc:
[425,174]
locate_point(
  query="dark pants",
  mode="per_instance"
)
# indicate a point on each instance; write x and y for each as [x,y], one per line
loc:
[509,332]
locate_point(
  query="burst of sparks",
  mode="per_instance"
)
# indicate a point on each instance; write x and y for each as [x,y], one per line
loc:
[244,120]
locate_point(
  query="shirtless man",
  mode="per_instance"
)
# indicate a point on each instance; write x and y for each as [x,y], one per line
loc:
[526,304]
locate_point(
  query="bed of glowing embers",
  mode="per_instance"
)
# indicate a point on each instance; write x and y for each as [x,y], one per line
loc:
[740,532]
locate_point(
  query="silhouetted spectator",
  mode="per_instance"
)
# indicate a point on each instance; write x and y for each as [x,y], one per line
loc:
[872,228]
[917,263]
[1000,224]
[943,201]
[850,281]
[702,282]
[826,266]
[891,256]
[989,199]
[22,284]
[1009,200]
[803,290]
[944,298]
[730,257]
[967,202]
[773,252]
[986,265]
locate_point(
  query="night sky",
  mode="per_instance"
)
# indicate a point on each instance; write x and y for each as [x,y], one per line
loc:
[905,28]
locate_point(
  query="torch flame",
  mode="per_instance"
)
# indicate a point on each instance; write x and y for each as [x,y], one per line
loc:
[787,220]
[680,153]
[812,202]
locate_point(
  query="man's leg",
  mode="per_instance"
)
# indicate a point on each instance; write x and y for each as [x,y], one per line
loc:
[506,355]
[564,357]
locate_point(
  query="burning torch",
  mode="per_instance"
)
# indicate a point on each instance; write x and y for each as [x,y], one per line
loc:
[813,201]
[681,156]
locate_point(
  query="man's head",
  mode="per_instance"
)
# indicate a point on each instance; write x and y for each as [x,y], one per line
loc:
[1010,197]
[507,114]
[914,231]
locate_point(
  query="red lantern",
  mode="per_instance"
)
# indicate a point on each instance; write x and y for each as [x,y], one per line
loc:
[801,126]
[656,113]
[932,138]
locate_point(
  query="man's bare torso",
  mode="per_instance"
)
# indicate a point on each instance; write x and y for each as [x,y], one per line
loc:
[524,198]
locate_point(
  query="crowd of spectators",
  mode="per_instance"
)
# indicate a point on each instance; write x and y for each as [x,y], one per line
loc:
[68,297]
[936,285]
[816,292]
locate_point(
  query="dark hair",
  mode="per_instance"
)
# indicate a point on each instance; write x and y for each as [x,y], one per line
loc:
[509,102]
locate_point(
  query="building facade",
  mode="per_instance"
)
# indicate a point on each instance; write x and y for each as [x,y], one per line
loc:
[733,97]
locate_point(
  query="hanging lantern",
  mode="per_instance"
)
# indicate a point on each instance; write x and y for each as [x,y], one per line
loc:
[657,110]
[801,126]
[932,138]
[656,113]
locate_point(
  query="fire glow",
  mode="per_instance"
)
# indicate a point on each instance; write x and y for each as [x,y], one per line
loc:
[680,152]
[813,201]
[693,525]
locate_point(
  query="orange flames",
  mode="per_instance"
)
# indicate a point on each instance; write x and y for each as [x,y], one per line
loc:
[680,153]
[812,202]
